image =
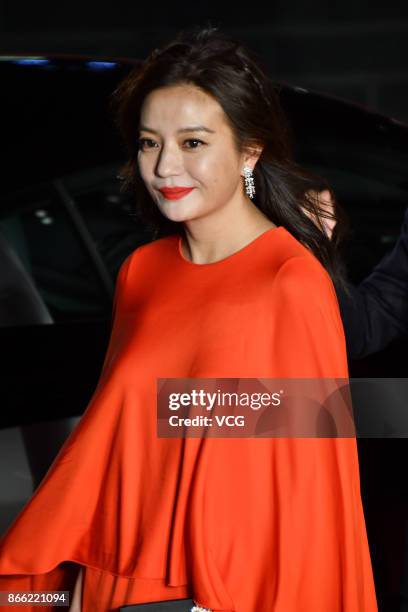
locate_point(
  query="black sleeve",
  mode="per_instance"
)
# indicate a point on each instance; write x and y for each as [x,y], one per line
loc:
[376,312]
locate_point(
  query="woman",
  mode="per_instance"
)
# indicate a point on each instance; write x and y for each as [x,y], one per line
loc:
[238,285]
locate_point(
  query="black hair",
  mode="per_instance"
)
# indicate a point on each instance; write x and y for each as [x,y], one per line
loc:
[234,76]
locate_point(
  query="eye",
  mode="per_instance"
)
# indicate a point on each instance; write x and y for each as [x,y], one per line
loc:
[145,143]
[194,140]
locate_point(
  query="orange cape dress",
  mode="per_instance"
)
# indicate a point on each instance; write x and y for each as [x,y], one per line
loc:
[239,524]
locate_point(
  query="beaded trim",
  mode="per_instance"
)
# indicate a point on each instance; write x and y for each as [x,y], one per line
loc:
[199,609]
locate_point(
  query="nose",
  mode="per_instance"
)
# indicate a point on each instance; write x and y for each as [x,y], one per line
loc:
[169,162]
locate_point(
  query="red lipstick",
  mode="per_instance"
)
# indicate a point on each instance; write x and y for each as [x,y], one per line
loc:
[175,193]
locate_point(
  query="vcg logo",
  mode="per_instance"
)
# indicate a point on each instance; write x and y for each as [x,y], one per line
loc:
[230,420]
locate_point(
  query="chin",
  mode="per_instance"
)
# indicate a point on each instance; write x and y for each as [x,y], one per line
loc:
[179,215]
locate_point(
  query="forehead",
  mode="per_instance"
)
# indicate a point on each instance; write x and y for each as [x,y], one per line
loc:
[179,106]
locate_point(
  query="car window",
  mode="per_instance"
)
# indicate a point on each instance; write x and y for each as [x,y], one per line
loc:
[364,157]
[73,246]
[375,207]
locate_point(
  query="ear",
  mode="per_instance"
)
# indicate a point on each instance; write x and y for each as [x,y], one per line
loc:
[251,156]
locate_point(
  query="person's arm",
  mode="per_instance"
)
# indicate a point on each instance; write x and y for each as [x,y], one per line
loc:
[376,312]
[309,330]
[75,605]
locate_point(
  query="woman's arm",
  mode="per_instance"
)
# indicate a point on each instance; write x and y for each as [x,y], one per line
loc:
[309,331]
[77,595]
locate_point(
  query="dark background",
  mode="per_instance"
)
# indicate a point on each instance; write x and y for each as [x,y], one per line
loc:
[357,49]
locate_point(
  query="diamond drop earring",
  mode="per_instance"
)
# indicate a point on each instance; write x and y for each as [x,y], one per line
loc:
[249,182]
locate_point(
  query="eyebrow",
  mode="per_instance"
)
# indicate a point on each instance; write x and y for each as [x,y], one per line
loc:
[196,128]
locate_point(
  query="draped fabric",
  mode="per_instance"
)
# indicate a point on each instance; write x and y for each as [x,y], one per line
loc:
[240,524]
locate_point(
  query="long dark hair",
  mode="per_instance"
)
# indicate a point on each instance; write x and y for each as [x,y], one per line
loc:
[225,69]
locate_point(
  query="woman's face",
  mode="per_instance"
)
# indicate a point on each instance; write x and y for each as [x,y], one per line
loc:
[185,141]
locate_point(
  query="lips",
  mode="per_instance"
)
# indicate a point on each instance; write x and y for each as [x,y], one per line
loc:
[175,193]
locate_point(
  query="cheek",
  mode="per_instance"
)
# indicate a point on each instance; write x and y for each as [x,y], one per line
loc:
[145,167]
[213,171]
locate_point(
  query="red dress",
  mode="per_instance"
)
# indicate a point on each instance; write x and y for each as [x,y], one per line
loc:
[240,524]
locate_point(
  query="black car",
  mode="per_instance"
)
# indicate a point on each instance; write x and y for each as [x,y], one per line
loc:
[66,226]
